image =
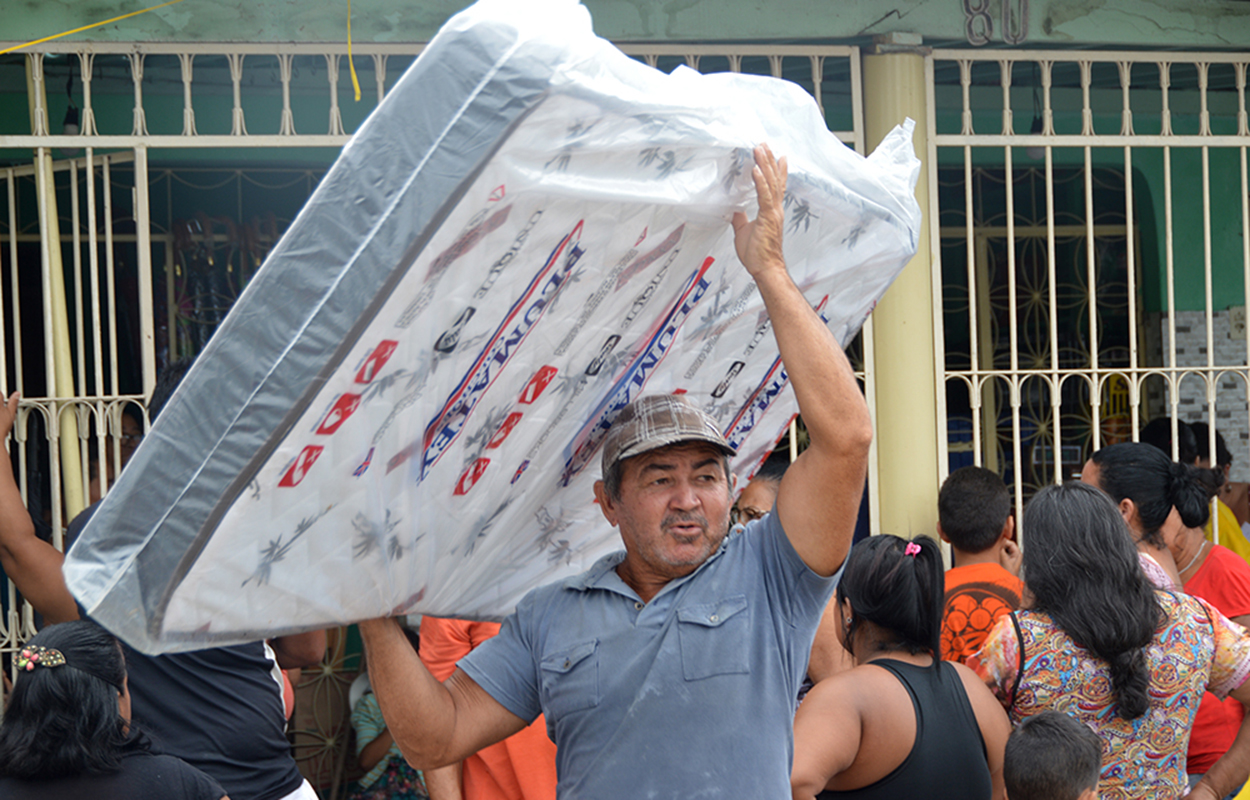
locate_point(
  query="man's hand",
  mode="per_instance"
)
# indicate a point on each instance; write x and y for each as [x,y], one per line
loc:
[8,414]
[759,242]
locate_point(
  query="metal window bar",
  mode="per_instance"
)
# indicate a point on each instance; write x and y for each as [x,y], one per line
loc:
[1213,370]
[237,62]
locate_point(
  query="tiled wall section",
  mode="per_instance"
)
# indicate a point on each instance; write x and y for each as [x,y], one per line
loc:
[1231,418]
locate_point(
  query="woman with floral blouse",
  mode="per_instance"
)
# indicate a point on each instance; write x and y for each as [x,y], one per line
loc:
[1097,641]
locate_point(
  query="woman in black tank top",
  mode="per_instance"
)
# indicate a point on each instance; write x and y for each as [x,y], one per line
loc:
[900,724]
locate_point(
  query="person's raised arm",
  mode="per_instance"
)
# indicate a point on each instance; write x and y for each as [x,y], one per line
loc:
[298,650]
[443,643]
[820,493]
[32,564]
[434,723]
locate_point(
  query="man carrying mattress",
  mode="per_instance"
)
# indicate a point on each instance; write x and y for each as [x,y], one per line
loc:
[669,669]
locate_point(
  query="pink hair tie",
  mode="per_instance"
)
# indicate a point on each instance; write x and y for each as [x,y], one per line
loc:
[912,549]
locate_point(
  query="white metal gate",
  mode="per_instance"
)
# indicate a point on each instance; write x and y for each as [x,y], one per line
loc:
[1076,305]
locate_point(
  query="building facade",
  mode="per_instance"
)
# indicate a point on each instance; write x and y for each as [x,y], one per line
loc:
[1083,267]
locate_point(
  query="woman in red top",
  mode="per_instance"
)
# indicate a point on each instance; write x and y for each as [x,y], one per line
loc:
[1222,578]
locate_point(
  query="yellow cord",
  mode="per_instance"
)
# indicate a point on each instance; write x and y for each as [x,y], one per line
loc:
[106,22]
[350,63]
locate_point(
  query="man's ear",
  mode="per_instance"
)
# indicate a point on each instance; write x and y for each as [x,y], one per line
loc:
[606,504]
[1009,529]
[1089,794]
[941,533]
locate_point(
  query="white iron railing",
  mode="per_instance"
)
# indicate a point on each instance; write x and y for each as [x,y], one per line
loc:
[1095,113]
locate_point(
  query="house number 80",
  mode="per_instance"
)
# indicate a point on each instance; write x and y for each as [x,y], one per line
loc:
[979,24]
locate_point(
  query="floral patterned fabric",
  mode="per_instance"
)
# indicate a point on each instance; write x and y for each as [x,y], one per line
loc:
[397,782]
[391,778]
[1194,649]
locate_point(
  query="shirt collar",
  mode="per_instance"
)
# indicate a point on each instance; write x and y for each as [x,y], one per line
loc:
[594,577]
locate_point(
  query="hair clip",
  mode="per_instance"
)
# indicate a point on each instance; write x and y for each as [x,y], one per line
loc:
[34,655]
[911,549]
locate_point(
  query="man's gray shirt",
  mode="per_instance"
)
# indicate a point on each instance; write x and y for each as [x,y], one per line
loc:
[690,695]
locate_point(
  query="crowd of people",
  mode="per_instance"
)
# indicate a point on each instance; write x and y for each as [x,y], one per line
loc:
[741,650]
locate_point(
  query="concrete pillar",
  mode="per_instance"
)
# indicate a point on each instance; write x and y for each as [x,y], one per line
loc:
[907,377]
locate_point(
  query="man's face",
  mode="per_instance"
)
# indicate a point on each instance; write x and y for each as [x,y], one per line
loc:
[673,510]
[756,500]
[132,434]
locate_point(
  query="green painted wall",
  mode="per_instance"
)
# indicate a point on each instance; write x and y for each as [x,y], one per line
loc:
[1057,23]
[1226,200]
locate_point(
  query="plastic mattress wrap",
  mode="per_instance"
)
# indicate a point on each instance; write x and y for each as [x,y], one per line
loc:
[403,412]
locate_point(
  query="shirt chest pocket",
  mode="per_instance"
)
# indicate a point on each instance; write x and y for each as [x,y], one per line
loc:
[570,679]
[714,638]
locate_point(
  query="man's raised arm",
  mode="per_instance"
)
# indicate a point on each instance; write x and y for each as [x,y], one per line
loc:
[820,494]
[32,564]
[434,723]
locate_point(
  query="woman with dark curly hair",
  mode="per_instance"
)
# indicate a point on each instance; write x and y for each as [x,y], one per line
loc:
[66,729]
[1096,640]
[903,723]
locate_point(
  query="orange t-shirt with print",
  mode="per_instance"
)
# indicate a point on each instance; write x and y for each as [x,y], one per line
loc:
[521,767]
[976,596]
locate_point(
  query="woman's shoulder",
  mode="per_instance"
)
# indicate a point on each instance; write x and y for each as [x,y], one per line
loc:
[1034,625]
[1229,562]
[869,672]
[963,672]
[973,684]
[1185,612]
[1176,601]
[861,686]
[172,777]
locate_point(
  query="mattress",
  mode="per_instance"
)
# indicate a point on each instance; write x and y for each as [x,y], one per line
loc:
[402,413]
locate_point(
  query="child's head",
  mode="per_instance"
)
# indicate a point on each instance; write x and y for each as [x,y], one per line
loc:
[1052,756]
[973,507]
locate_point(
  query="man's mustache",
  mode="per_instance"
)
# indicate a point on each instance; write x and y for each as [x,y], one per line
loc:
[684,519]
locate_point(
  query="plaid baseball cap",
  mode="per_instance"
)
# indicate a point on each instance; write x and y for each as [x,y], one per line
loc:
[659,420]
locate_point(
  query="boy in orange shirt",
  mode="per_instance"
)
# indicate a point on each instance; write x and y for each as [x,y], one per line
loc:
[974,517]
